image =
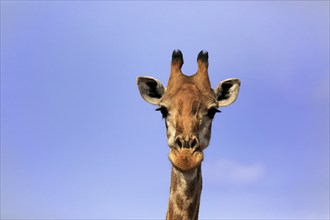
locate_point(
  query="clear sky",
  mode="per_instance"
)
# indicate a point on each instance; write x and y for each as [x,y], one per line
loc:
[78,141]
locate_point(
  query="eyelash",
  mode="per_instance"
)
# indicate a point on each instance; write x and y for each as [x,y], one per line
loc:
[164,111]
[212,111]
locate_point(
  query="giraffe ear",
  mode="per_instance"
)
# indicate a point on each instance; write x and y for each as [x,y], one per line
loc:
[150,89]
[227,91]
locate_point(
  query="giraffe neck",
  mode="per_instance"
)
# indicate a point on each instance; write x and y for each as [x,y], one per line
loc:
[185,191]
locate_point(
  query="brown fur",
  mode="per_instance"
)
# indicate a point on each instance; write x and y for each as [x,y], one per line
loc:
[185,196]
[179,202]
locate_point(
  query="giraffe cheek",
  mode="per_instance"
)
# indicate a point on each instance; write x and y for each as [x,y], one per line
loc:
[205,134]
[204,138]
[170,135]
[204,143]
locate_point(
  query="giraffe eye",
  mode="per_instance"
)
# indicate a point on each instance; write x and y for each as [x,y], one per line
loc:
[211,112]
[163,110]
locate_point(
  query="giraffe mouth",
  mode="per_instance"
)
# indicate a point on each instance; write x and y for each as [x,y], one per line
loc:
[186,159]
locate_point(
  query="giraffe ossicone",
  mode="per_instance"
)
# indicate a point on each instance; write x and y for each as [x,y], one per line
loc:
[188,106]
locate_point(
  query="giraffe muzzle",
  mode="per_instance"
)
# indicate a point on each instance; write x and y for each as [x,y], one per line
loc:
[186,153]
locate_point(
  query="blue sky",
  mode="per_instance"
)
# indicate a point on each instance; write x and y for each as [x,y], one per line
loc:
[78,141]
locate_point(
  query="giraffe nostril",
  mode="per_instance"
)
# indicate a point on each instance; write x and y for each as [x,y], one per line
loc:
[194,143]
[179,142]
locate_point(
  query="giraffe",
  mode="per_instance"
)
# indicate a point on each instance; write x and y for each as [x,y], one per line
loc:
[188,106]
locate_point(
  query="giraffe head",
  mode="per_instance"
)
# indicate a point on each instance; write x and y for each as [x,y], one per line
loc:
[188,106]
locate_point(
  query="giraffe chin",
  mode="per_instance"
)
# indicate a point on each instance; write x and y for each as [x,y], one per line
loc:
[185,159]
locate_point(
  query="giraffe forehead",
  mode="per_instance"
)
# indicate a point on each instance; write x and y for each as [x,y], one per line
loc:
[188,98]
